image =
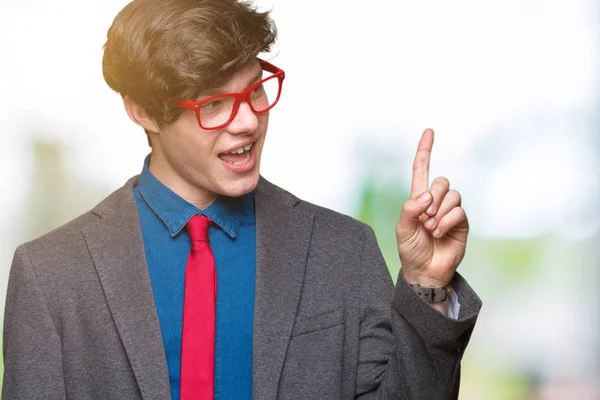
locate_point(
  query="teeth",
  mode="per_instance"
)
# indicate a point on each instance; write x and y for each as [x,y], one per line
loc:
[240,150]
[242,162]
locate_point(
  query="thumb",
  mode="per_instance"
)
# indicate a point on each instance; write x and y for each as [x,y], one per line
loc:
[411,211]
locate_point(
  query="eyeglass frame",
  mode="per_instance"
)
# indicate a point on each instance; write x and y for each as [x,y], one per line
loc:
[239,97]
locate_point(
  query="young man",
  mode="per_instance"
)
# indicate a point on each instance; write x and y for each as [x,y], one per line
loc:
[199,279]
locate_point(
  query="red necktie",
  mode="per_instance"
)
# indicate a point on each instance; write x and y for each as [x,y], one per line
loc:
[198,339]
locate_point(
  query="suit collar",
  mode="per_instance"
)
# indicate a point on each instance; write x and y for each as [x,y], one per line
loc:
[117,250]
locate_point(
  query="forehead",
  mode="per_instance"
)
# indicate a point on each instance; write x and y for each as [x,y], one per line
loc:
[242,78]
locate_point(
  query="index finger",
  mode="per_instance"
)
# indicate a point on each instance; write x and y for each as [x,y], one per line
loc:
[420,177]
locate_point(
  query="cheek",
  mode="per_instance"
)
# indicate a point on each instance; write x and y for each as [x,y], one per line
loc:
[263,123]
[188,138]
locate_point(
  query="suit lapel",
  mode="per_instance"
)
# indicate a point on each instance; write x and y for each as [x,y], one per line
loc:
[283,236]
[116,246]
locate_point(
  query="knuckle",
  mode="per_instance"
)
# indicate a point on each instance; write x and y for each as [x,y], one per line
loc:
[420,161]
[442,224]
[458,215]
[442,180]
[456,195]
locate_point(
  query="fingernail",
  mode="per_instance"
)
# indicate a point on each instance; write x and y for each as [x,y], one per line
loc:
[437,233]
[424,198]
[430,209]
[430,223]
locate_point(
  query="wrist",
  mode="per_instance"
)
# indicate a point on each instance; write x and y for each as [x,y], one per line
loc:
[414,279]
[432,291]
[441,306]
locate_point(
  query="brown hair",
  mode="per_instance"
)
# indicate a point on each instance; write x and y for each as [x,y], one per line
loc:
[158,49]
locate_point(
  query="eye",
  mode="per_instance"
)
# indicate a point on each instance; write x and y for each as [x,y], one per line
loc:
[259,90]
[211,105]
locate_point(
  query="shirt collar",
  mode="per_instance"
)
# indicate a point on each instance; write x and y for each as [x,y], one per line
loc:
[175,212]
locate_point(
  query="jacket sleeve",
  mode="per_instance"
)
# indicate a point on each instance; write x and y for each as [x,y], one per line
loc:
[32,347]
[409,350]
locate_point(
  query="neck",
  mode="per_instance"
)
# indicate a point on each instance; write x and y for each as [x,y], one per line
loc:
[191,193]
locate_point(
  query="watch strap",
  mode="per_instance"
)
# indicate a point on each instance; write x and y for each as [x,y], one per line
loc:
[431,294]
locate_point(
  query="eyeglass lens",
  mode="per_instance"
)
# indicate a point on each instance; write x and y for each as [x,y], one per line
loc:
[219,111]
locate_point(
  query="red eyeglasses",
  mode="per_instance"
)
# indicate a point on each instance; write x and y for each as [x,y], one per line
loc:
[218,111]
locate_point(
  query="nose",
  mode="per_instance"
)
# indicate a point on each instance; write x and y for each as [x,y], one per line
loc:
[245,120]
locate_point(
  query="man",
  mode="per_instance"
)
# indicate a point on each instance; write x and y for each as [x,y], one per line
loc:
[200,279]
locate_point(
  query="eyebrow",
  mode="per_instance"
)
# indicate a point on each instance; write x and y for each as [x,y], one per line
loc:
[218,90]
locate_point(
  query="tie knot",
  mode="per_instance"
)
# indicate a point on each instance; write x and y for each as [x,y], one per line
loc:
[197,227]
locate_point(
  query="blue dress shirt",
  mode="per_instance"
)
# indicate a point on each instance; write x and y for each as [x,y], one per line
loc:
[163,216]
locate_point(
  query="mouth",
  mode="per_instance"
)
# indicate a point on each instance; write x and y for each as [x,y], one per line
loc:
[240,159]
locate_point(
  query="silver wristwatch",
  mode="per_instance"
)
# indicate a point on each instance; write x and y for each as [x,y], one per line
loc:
[431,294]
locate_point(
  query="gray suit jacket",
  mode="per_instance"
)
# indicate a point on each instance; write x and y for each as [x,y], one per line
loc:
[80,320]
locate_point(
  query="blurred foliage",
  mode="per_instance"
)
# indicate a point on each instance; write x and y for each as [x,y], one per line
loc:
[55,196]
[514,260]
[380,206]
[483,382]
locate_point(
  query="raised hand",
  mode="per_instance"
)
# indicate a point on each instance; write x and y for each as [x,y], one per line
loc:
[433,228]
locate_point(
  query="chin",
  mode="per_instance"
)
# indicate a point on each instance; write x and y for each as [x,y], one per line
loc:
[240,187]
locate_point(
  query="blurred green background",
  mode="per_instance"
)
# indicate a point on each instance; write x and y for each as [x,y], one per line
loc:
[511,88]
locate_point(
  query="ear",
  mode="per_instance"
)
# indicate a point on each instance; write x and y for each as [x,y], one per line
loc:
[139,115]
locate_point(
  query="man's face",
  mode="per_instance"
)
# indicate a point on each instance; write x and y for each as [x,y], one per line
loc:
[201,164]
